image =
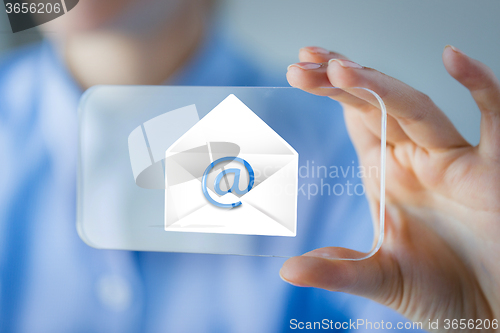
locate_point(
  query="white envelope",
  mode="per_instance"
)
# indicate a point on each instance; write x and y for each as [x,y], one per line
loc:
[232,129]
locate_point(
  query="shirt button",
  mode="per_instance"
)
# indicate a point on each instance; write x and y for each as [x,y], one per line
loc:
[114,292]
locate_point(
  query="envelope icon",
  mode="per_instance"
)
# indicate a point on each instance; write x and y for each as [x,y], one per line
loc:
[233,133]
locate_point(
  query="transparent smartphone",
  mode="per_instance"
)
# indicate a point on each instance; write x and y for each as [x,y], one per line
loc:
[231,170]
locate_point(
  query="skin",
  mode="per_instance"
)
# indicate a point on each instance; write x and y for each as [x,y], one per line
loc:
[440,257]
[100,46]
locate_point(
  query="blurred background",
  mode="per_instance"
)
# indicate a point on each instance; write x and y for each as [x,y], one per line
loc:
[404,39]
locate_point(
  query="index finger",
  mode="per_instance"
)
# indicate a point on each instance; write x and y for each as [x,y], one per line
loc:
[424,123]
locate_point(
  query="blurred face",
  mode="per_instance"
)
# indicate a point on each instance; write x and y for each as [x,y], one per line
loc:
[130,15]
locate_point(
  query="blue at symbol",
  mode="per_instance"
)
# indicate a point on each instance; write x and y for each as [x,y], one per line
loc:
[234,188]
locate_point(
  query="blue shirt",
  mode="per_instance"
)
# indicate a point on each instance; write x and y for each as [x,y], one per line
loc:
[50,281]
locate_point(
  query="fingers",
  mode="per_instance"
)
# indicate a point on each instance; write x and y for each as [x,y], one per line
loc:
[422,121]
[373,278]
[311,77]
[363,138]
[484,88]
[308,76]
[318,54]
[416,117]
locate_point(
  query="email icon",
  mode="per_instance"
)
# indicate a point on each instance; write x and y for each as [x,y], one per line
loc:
[231,173]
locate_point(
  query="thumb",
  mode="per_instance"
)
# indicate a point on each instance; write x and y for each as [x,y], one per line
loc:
[377,277]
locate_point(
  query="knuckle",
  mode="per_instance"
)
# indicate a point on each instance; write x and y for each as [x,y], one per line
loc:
[416,115]
[424,98]
[421,106]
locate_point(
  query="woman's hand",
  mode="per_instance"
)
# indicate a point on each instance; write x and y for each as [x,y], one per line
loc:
[441,254]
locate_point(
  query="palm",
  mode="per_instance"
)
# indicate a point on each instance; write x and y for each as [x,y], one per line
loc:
[426,263]
[443,198]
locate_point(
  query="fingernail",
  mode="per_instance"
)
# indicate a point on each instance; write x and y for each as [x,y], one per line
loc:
[316,49]
[346,63]
[305,65]
[319,254]
[292,283]
[454,49]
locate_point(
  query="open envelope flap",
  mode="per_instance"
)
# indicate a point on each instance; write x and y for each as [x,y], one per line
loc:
[191,164]
[232,121]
